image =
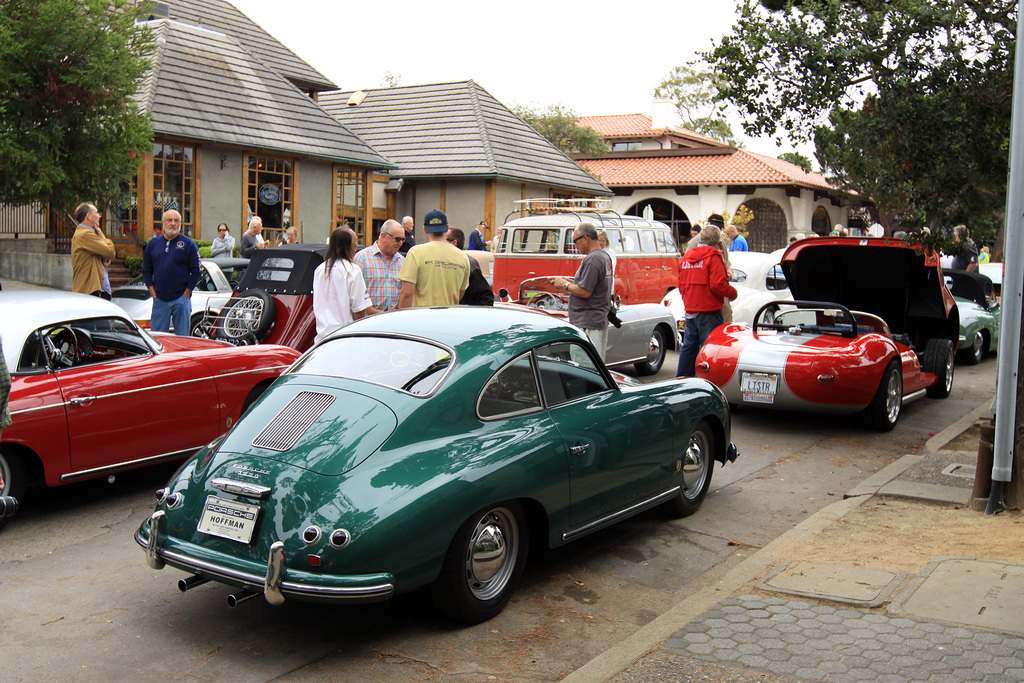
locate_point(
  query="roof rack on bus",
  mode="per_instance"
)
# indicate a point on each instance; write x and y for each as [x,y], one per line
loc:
[541,206]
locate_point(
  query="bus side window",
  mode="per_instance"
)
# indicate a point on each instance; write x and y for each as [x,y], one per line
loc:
[666,243]
[648,243]
[631,242]
[615,240]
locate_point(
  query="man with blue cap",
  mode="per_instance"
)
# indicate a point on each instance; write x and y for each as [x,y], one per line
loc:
[435,273]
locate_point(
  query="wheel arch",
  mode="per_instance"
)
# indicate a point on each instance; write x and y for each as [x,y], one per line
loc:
[31,459]
[671,339]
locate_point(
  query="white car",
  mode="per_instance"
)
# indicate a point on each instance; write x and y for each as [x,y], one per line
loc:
[758,280]
[218,279]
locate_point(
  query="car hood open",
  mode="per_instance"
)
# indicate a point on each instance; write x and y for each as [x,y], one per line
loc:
[881,276]
[327,431]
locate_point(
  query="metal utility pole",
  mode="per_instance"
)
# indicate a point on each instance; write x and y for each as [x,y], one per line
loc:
[1007,485]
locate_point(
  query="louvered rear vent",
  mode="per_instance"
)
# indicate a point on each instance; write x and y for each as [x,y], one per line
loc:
[292,422]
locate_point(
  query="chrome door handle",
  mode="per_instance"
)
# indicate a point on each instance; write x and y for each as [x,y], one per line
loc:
[82,400]
[579,449]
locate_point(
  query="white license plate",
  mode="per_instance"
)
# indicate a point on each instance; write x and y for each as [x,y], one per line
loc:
[759,387]
[228,519]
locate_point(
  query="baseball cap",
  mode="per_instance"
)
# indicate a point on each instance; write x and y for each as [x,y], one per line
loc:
[435,221]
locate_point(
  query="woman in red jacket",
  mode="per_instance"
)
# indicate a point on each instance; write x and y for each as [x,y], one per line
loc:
[704,284]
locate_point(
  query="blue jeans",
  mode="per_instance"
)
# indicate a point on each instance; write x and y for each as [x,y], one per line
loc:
[178,311]
[694,335]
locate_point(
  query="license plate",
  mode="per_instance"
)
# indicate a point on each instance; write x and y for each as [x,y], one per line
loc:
[228,519]
[759,387]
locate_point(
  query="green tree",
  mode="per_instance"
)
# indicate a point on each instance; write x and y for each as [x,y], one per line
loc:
[70,128]
[798,159]
[698,102]
[907,101]
[559,125]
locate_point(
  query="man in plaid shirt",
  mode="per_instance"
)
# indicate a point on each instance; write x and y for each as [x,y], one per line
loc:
[381,262]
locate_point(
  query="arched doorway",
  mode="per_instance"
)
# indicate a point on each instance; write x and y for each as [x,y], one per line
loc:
[767,231]
[669,214]
[821,224]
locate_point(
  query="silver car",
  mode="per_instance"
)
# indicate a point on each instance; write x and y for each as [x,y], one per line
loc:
[643,336]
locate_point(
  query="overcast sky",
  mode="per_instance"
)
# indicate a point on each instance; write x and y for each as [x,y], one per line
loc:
[596,58]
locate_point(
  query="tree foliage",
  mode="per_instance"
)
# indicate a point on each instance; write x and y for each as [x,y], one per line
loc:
[798,159]
[559,125]
[70,129]
[698,102]
[907,101]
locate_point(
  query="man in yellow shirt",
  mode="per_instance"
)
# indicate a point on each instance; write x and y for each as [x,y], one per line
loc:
[435,273]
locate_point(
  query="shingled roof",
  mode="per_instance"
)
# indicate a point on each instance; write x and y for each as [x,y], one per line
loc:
[203,86]
[447,130]
[223,17]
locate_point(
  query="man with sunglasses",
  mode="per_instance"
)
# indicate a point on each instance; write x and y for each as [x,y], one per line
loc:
[590,292]
[381,262]
[170,268]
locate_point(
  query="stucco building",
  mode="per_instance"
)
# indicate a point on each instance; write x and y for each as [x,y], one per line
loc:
[684,178]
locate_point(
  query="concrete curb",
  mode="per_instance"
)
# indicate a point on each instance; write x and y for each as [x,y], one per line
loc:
[621,656]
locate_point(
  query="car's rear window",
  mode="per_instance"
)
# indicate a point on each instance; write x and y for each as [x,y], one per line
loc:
[409,365]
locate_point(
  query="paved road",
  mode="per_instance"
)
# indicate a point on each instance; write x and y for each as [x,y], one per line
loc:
[78,602]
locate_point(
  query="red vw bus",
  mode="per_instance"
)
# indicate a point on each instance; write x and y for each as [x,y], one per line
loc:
[539,244]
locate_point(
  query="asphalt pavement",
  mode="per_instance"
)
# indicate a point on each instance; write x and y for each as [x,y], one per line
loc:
[778,616]
[837,620]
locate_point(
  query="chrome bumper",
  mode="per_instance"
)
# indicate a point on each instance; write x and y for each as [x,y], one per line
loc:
[274,584]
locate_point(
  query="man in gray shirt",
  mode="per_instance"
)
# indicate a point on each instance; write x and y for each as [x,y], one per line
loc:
[590,292]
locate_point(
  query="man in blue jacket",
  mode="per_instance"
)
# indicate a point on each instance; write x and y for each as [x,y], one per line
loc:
[170,268]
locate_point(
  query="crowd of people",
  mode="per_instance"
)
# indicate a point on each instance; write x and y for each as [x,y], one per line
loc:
[394,272]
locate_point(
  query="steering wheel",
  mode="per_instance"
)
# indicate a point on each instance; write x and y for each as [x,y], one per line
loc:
[546,301]
[61,346]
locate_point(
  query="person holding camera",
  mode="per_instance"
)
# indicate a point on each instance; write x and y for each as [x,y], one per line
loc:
[590,292]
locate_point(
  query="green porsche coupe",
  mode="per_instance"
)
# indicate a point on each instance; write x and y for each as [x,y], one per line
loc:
[429,447]
[979,314]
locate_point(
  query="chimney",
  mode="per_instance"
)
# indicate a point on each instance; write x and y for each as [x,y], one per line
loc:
[663,113]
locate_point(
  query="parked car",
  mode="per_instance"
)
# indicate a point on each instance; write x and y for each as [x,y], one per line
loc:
[218,279]
[979,314]
[758,279]
[428,447]
[641,339]
[851,344]
[93,394]
[274,304]
[994,272]
[540,241]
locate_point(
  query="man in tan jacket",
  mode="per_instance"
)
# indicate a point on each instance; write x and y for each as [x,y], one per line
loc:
[89,249]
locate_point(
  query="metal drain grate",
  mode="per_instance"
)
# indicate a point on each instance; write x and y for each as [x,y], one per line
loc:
[292,422]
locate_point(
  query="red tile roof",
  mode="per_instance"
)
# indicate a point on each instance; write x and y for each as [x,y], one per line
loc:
[738,168]
[639,125]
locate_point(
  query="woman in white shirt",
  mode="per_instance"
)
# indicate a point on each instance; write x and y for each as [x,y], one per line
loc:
[339,291]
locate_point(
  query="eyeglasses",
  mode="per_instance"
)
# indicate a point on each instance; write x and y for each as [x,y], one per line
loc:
[397,239]
[575,240]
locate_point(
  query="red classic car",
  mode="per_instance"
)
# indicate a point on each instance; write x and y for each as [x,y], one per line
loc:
[274,301]
[873,327]
[93,394]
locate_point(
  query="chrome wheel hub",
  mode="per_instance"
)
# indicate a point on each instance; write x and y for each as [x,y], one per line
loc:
[492,552]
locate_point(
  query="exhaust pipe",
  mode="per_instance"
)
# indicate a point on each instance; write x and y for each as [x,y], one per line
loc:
[238,598]
[192,582]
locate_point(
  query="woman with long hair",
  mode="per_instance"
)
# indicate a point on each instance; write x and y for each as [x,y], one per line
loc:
[339,292]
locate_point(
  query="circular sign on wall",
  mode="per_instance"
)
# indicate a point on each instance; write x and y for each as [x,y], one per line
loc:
[270,194]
